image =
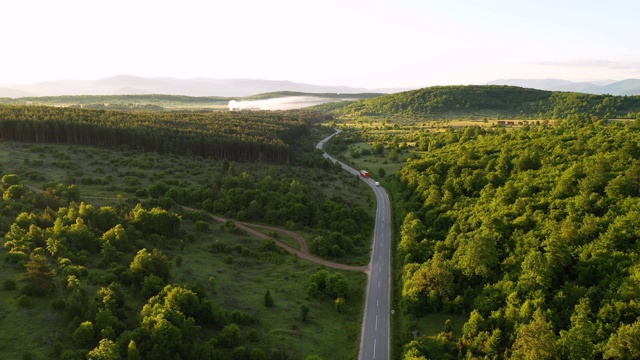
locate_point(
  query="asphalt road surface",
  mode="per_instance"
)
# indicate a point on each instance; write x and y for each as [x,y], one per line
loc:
[375,337]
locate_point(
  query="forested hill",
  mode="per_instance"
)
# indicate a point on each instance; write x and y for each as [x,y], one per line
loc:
[235,136]
[533,233]
[489,100]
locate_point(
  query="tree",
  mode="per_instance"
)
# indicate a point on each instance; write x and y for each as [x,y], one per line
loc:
[625,343]
[578,341]
[83,335]
[535,340]
[411,235]
[106,350]
[268,300]
[145,263]
[132,351]
[39,274]
[337,285]
[230,335]
[434,277]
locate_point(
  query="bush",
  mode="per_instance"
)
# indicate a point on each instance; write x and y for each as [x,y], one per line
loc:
[202,226]
[304,312]
[253,336]
[24,301]
[9,284]
[242,317]
[268,300]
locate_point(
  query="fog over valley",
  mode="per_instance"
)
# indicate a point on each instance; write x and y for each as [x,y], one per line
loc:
[283,103]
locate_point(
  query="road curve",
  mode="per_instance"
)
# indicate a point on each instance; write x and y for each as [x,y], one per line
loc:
[375,340]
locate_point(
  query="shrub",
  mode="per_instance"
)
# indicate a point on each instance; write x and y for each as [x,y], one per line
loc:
[268,300]
[9,284]
[253,336]
[242,317]
[202,226]
[304,312]
[24,301]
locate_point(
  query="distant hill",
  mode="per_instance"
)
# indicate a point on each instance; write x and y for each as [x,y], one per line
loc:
[126,84]
[611,87]
[488,100]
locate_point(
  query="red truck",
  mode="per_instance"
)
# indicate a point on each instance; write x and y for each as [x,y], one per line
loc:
[364,173]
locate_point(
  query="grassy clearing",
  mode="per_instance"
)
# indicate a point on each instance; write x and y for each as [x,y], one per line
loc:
[433,324]
[241,285]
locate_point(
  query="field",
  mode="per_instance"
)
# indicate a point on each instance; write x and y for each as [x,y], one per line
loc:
[242,269]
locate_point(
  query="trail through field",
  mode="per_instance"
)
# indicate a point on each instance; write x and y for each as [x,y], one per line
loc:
[303,253]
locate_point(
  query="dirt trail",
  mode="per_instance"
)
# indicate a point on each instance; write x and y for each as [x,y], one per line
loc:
[303,253]
[304,248]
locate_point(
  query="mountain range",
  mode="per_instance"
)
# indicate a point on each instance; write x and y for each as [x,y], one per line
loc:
[611,87]
[135,85]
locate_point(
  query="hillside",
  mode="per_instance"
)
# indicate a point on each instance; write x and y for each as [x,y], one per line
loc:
[532,234]
[488,101]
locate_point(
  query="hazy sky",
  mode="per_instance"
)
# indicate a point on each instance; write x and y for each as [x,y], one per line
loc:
[369,43]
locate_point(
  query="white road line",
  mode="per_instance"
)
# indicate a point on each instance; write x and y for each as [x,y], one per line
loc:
[377,304]
[374,348]
[378,283]
[376,322]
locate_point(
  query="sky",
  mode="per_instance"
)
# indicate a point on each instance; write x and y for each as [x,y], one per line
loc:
[371,44]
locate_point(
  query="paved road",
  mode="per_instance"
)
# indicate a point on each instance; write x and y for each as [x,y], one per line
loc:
[375,340]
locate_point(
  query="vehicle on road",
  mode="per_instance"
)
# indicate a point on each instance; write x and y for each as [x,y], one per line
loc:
[377,183]
[364,173]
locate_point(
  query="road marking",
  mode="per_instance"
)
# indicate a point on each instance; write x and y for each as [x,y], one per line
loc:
[378,283]
[374,348]
[377,304]
[376,322]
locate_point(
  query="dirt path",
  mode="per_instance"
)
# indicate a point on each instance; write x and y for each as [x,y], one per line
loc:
[303,253]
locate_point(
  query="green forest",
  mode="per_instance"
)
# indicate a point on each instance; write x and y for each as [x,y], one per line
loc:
[234,136]
[531,235]
[488,100]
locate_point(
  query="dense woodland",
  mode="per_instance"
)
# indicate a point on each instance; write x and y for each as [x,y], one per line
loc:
[234,136]
[491,100]
[531,233]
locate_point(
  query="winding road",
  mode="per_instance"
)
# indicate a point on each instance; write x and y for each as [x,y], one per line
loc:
[375,341]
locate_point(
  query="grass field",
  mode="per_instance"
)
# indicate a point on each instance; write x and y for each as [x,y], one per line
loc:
[242,284]
[433,324]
